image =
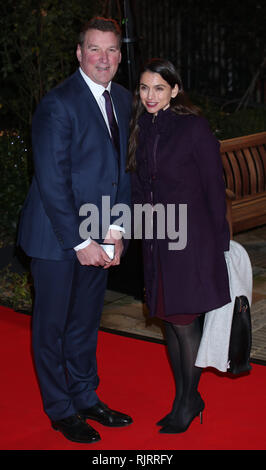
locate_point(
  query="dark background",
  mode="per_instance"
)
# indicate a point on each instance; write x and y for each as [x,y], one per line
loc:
[218,47]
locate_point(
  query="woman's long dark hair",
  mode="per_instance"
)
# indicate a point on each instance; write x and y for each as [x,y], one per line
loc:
[180,104]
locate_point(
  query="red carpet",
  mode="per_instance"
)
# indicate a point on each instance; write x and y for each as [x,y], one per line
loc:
[135,378]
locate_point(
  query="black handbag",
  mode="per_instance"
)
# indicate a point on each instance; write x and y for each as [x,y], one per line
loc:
[240,337]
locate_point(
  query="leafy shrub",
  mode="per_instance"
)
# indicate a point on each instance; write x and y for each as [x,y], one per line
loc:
[16,289]
[15,179]
[228,124]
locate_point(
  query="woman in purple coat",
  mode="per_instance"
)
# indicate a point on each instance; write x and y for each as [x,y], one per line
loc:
[175,163]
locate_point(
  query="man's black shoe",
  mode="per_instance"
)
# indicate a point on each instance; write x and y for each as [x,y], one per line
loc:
[104,415]
[75,429]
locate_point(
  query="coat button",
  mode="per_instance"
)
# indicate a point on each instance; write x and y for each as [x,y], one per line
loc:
[114,184]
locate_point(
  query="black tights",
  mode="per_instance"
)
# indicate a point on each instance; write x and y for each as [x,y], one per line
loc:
[182,344]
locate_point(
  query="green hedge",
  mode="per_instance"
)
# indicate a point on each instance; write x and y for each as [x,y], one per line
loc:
[227,125]
[15,169]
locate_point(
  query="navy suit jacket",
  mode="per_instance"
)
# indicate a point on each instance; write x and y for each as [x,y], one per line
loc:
[75,163]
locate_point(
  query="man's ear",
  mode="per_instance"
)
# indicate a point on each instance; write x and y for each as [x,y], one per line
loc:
[79,53]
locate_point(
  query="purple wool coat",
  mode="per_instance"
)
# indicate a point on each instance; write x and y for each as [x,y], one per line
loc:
[178,162]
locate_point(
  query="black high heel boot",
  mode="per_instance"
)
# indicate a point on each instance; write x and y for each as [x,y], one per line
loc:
[181,424]
[191,404]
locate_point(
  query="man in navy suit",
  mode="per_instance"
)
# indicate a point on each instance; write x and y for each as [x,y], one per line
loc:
[77,160]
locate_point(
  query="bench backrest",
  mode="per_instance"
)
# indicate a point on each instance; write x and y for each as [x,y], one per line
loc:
[244,164]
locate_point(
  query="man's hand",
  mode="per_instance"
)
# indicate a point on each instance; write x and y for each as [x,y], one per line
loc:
[115,237]
[93,255]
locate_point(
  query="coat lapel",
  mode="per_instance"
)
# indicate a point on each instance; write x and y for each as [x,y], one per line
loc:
[86,94]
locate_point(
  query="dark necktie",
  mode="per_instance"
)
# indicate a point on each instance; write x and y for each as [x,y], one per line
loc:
[112,121]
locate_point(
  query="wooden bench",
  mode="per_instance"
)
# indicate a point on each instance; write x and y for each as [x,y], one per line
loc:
[244,164]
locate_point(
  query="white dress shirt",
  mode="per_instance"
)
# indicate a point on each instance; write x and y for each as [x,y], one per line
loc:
[97,91]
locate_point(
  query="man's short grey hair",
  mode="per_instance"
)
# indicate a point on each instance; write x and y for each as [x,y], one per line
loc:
[102,24]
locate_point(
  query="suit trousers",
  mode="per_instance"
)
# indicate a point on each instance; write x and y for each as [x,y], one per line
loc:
[68,304]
